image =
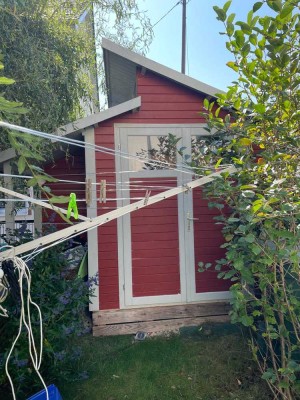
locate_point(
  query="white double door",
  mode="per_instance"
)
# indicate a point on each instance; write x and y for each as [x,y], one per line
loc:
[156,245]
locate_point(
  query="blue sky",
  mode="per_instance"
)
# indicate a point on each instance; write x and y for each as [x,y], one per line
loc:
[206,51]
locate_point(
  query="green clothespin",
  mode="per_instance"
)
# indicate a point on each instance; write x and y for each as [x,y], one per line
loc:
[72,206]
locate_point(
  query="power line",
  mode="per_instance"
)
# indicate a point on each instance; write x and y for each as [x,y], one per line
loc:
[167,13]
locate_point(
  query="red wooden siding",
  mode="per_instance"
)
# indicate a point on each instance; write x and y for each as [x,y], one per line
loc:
[207,241]
[71,168]
[107,233]
[155,246]
[163,102]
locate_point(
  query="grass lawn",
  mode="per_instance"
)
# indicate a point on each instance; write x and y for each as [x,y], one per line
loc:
[208,364]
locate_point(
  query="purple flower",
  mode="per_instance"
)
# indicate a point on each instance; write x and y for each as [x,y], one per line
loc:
[21,363]
[59,356]
[93,280]
[83,375]
[63,299]
[68,330]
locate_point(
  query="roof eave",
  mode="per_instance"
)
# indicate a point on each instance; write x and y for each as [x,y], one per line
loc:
[160,69]
[95,119]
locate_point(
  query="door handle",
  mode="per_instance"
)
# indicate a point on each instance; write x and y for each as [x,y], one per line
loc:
[189,219]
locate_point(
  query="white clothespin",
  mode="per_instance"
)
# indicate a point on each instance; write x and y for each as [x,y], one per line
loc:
[147,195]
[102,198]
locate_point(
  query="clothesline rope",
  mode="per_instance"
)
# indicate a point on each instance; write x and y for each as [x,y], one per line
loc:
[185,168]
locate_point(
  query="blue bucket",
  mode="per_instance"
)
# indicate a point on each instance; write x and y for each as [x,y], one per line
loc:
[52,392]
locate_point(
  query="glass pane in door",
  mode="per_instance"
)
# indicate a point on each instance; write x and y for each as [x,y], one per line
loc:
[152,152]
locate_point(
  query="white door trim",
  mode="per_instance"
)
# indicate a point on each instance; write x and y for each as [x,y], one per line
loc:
[92,235]
[186,236]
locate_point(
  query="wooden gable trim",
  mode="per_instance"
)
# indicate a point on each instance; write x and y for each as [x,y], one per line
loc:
[95,119]
[160,69]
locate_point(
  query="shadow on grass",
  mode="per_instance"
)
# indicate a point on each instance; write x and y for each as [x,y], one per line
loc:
[207,363]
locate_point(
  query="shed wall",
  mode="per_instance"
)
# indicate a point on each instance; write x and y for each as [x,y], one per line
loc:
[163,102]
[67,168]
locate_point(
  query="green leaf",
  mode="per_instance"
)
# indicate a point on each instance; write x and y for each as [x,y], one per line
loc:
[229,274]
[255,249]
[283,384]
[232,65]
[59,199]
[240,38]
[274,4]
[248,194]
[250,18]
[245,50]
[257,205]
[256,313]
[21,164]
[250,238]
[286,10]
[218,163]
[220,13]
[206,104]
[245,142]
[269,374]
[257,6]
[258,53]
[6,81]
[247,320]
[237,104]
[245,27]
[243,187]
[227,5]
[232,220]
[238,264]
[230,18]
[230,29]
[260,108]
[253,39]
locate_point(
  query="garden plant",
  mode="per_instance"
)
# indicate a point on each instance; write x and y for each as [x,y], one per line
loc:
[260,136]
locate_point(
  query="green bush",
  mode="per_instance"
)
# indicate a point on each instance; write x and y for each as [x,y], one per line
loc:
[63,304]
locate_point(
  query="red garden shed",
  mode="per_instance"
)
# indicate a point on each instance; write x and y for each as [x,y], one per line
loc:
[147,260]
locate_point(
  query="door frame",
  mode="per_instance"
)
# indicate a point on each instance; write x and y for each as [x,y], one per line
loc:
[185,232]
[192,295]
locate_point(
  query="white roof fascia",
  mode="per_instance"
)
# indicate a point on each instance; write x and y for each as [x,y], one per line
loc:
[7,155]
[160,69]
[101,116]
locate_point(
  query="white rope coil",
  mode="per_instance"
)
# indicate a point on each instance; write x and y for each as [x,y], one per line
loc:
[24,280]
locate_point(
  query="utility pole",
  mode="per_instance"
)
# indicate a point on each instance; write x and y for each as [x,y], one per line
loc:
[183,51]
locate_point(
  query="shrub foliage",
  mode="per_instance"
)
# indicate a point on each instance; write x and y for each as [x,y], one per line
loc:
[63,304]
[261,137]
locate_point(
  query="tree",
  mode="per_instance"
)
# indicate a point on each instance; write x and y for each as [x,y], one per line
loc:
[261,137]
[49,49]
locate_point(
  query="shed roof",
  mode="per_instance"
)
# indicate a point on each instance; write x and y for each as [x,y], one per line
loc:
[94,119]
[120,71]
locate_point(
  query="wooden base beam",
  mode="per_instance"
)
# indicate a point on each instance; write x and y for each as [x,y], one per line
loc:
[158,319]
